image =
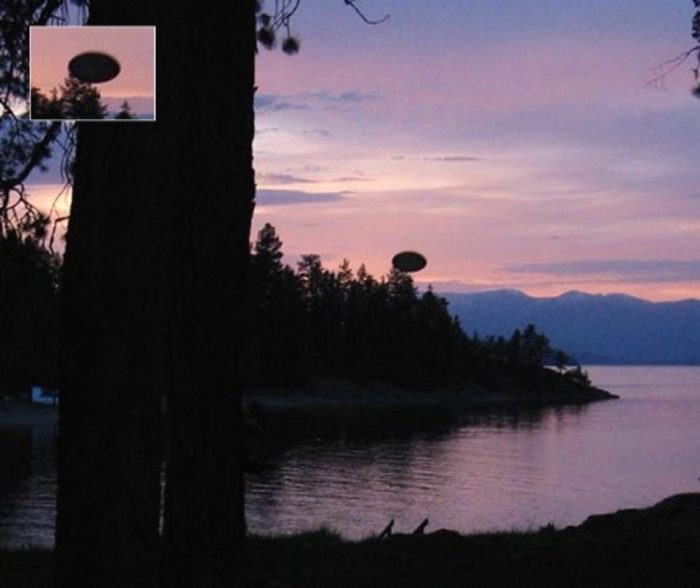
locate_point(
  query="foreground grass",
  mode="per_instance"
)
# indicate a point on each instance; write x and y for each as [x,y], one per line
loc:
[25,568]
[659,546]
[446,559]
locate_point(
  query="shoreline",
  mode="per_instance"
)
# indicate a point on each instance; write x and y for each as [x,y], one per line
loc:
[15,413]
[335,395]
[653,546]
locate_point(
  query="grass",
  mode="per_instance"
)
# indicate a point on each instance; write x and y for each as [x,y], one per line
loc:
[25,568]
[445,560]
[658,546]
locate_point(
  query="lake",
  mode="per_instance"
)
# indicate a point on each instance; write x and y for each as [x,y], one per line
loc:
[497,471]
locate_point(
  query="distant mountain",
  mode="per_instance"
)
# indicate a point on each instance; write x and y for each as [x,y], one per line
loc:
[594,328]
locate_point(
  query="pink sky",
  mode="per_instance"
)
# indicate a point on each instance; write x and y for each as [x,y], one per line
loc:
[517,144]
[507,152]
[53,47]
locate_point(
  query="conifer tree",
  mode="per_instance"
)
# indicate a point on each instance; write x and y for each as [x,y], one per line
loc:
[124,112]
[81,100]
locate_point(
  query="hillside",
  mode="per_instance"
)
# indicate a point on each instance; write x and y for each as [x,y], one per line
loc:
[603,329]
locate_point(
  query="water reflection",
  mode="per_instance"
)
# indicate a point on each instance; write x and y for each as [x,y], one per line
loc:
[496,470]
[374,426]
[27,484]
[356,473]
[15,460]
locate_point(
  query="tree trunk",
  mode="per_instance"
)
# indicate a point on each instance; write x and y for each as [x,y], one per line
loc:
[109,412]
[109,415]
[211,54]
[156,263]
[113,350]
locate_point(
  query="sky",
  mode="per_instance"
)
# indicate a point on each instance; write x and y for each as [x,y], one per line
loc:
[515,143]
[51,48]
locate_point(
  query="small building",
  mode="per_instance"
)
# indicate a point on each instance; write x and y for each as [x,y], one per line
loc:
[43,396]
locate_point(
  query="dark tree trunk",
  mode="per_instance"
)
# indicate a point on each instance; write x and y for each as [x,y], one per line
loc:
[109,451]
[155,267]
[109,412]
[211,55]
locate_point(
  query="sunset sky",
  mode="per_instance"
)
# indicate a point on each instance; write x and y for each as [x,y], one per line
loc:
[515,143]
[53,47]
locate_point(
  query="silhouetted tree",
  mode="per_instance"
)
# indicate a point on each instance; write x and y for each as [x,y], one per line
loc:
[267,259]
[29,277]
[561,360]
[366,307]
[352,326]
[25,147]
[696,49]
[149,305]
[513,347]
[666,68]
[439,340]
[578,375]
[124,112]
[318,323]
[277,317]
[45,107]
[322,296]
[534,347]
[77,100]
[81,100]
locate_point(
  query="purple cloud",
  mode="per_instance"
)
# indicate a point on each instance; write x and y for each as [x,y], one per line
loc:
[288,197]
[647,270]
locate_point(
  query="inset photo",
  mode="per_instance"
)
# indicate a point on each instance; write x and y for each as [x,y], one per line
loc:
[92,73]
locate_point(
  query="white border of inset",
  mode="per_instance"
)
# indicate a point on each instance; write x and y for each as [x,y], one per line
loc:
[96,120]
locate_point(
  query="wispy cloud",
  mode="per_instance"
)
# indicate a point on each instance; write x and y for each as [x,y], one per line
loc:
[322,99]
[319,132]
[289,178]
[276,103]
[352,97]
[288,197]
[438,158]
[273,178]
[648,270]
[356,178]
[451,158]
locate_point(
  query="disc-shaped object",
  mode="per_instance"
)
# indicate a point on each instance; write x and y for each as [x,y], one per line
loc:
[94,67]
[409,261]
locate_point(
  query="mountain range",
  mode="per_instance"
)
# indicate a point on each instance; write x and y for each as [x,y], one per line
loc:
[593,328]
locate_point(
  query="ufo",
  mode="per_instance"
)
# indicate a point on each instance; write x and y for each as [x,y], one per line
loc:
[94,67]
[409,261]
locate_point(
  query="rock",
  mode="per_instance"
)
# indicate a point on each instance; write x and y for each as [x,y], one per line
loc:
[679,514]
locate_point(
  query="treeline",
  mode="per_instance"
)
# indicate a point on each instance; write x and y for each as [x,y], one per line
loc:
[303,323]
[29,312]
[314,321]
[74,100]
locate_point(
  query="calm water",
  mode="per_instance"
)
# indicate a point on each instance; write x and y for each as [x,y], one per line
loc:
[504,471]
